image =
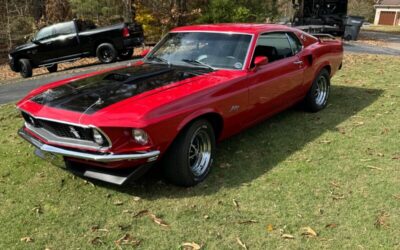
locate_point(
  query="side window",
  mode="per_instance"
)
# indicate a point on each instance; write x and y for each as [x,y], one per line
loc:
[275,46]
[295,43]
[64,28]
[45,33]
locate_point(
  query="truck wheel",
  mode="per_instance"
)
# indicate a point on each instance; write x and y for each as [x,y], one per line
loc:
[25,68]
[317,96]
[126,54]
[106,53]
[188,160]
[53,68]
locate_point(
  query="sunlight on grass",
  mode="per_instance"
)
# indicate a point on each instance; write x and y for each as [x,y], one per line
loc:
[336,172]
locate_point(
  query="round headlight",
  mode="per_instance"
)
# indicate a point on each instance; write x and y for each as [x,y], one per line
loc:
[98,138]
[140,136]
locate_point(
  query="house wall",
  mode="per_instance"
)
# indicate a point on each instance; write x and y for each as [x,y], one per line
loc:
[391,9]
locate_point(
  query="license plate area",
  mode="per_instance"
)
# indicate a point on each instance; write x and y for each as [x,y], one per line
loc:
[54,159]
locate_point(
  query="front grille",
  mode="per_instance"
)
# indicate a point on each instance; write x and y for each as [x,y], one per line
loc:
[61,129]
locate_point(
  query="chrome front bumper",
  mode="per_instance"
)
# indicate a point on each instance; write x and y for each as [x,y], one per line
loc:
[150,156]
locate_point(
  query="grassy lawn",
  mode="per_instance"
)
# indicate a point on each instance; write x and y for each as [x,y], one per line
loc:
[383,28]
[337,172]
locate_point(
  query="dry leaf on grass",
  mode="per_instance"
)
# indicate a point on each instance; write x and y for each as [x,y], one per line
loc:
[127,239]
[247,222]
[375,168]
[287,236]
[191,246]
[118,203]
[152,216]
[270,228]
[309,232]
[96,241]
[236,204]
[27,239]
[381,220]
[396,196]
[331,225]
[136,198]
[241,243]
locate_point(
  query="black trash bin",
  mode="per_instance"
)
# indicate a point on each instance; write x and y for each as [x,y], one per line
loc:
[352,27]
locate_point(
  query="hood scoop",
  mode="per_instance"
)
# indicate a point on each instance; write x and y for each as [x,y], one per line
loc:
[83,95]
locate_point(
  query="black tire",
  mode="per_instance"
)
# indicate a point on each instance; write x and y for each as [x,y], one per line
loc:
[179,165]
[53,68]
[106,53]
[25,68]
[318,95]
[126,54]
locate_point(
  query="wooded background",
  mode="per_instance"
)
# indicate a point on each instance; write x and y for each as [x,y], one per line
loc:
[20,19]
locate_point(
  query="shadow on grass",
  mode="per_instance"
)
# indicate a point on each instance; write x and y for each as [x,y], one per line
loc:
[255,151]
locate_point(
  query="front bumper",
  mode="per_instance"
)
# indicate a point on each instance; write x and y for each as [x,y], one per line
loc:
[150,156]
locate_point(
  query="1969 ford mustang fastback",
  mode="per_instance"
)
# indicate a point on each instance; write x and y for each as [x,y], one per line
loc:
[198,85]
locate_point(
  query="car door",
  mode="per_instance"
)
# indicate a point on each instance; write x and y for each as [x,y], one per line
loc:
[277,84]
[64,44]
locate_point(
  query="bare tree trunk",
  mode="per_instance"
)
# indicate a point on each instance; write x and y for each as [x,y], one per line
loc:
[129,10]
[8,25]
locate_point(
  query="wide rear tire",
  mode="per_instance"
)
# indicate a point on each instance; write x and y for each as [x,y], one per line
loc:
[189,159]
[106,53]
[318,95]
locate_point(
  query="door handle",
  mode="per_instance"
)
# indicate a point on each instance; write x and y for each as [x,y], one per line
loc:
[298,62]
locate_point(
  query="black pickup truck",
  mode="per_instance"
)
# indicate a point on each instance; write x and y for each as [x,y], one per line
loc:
[69,41]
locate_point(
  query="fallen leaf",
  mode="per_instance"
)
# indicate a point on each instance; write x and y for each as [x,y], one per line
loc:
[287,236]
[38,209]
[381,220]
[270,228]
[94,228]
[127,239]
[236,204]
[373,167]
[332,225]
[27,239]
[241,243]
[96,241]
[206,217]
[118,203]
[397,196]
[334,184]
[136,198]
[308,231]
[326,141]
[191,246]
[152,216]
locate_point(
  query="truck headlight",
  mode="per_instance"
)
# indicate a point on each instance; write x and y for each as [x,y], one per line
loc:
[9,57]
[97,137]
[140,136]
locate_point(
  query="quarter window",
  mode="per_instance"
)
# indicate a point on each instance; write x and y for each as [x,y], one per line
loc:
[295,43]
[275,46]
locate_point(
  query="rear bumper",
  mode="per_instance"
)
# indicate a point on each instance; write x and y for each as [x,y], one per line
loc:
[150,156]
[132,42]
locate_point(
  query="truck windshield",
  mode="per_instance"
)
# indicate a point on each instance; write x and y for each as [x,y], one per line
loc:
[203,49]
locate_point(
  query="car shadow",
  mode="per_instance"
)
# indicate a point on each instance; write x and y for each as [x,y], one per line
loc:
[252,153]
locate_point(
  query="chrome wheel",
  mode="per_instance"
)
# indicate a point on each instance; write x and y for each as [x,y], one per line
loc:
[321,91]
[199,155]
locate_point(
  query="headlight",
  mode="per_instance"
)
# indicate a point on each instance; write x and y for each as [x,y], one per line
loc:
[9,56]
[140,136]
[98,138]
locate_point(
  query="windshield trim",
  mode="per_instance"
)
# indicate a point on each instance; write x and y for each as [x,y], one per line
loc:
[155,48]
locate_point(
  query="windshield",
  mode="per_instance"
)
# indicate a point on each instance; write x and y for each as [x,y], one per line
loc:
[203,49]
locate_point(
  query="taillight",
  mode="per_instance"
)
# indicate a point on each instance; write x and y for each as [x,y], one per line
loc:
[125,32]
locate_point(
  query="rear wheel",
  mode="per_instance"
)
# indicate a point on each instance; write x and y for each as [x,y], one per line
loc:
[25,68]
[189,159]
[317,96]
[53,68]
[126,54]
[106,53]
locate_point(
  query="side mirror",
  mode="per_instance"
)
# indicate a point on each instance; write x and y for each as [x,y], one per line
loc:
[260,60]
[35,41]
[145,53]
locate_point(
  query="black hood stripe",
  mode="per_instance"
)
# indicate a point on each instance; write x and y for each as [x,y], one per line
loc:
[97,92]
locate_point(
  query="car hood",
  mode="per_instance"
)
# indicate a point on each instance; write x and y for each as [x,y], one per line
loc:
[23,47]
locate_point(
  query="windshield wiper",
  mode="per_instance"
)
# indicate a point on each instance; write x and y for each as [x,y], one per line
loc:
[196,62]
[158,59]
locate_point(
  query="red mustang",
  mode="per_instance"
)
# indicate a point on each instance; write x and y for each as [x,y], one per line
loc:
[199,85]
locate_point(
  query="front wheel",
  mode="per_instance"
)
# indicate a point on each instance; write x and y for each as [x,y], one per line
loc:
[317,96]
[189,159]
[25,68]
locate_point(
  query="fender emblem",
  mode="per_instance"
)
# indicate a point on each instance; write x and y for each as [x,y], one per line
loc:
[234,108]
[73,131]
